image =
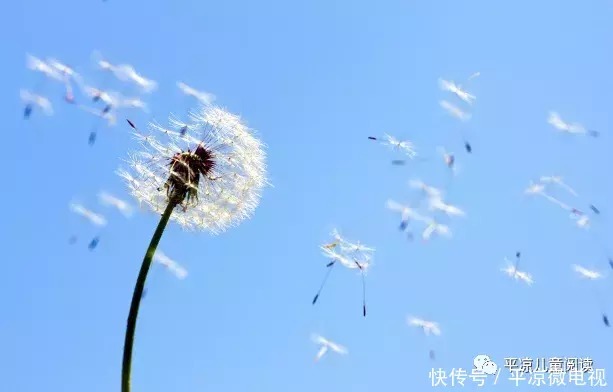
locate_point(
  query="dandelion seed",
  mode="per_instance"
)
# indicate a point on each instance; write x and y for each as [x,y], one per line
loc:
[586,273]
[512,271]
[407,214]
[203,97]
[125,73]
[405,146]
[593,275]
[457,90]
[38,65]
[455,111]
[110,200]
[556,121]
[31,100]
[448,158]
[436,203]
[435,228]
[429,191]
[429,327]
[327,345]
[170,264]
[352,256]
[94,218]
[560,182]
[93,243]
[582,221]
[534,189]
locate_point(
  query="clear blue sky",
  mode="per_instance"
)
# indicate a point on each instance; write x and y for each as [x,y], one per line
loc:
[315,79]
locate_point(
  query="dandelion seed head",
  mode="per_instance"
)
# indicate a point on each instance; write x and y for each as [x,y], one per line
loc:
[216,171]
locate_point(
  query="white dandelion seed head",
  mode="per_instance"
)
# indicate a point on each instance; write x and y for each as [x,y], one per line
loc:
[217,198]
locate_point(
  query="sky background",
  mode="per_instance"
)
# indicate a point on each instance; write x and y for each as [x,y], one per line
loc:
[314,79]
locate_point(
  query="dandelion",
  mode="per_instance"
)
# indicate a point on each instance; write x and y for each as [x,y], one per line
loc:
[216,182]
[125,73]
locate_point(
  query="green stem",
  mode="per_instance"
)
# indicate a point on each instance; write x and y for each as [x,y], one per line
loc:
[137,296]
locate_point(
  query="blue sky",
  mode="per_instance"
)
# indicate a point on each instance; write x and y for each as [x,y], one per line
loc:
[315,79]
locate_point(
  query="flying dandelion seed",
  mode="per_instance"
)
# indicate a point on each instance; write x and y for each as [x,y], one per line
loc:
[457,90]
[31,100]
[127,72]
[448,158]
[93,243]
[407,214]
[217,182]
[203,97]
[37,65]
[428,328]
[124,73]
[91,216]
[435,227]
[455,111]
[586,273]
[429,191]
[350,255]
[475,75]
[170,264]
[405,146]
[437,203]
[556,121]
[69,75]
[326,345]
[593,275]
[110,200]
[512,271]
[557,180]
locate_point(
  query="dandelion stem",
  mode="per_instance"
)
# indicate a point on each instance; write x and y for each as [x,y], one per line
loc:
[137,296]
